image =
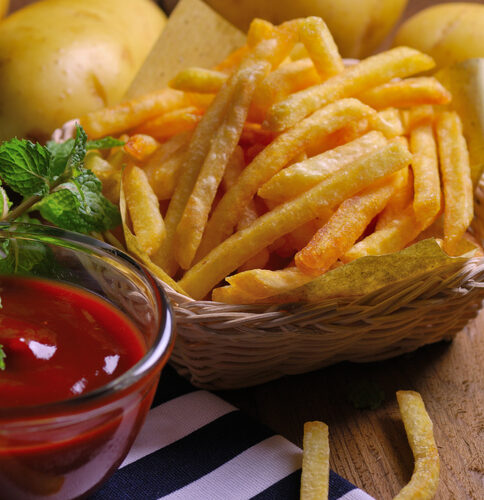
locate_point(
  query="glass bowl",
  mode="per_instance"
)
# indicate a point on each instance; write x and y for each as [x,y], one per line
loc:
[65,449]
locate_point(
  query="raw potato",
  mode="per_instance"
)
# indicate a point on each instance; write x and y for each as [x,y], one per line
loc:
[4,7]
[358,27]
[61,59]
[449,32]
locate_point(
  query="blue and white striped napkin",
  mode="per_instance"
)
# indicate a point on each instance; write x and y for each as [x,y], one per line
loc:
[196,446]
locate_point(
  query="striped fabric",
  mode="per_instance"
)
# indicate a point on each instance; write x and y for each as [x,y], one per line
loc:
[195,446]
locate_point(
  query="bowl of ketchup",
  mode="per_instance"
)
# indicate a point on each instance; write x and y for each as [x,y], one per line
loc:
[84,333]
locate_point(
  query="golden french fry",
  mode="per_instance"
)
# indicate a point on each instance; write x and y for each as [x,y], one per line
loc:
[254,135]
[200,80]
[299,177]
[322,49]
[258,261]
[344,227]
[239,247]
[315,465]
[272,159]
[373,71]
[133,246]
[141,146]
[388,122]
[130,114]
[403,195]
[286,79]
[394,236]
[163,176]
[425,167]
[418,115]
[258,284]
[192,223]
[172,123]
[456,178]
[231,295]
[143,209]
[419,428]
[302,235]
[259,30]
[407,93]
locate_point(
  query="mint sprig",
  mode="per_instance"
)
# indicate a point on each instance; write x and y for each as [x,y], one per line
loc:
[53,180]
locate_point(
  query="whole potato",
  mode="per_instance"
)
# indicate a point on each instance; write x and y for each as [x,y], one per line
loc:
[3,7]
[358,26]
[60,59]
[448,32]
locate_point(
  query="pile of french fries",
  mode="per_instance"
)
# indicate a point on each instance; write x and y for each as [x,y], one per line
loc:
[419,428]
[248,180]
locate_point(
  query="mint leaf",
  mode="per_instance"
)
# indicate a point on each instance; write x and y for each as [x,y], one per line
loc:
[104,143]
[78,205]
[25,167]
[2,358]
[60,152]
[78,153]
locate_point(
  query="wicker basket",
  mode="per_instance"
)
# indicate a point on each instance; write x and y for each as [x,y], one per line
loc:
[222,346]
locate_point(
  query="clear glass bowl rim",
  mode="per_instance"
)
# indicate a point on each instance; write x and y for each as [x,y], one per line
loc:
[162,346]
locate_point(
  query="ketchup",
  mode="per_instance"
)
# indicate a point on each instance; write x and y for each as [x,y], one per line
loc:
[60,342]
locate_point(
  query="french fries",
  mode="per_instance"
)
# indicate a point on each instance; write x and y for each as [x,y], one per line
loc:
[282,163]
[143,209]
[456,177]
[315,466]
[419,429]
[235,250]
[373,71]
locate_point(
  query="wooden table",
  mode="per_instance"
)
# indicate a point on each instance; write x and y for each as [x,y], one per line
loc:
[369,447]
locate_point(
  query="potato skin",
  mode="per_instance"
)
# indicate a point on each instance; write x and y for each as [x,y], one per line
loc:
[448,32]
[358,26]
[60,59]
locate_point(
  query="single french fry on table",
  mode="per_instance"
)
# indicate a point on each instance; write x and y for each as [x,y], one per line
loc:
[200,80]
[171,123]
[272,159]
[143,209]
[373,71]
[425,168]
[299,177]
[407,93]
[315,465]
[456,179]
[344,227]
[419,428]
[315,36]
[239,247]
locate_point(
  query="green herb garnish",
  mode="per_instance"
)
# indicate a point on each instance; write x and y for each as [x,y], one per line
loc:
[2,358]
[52,179]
